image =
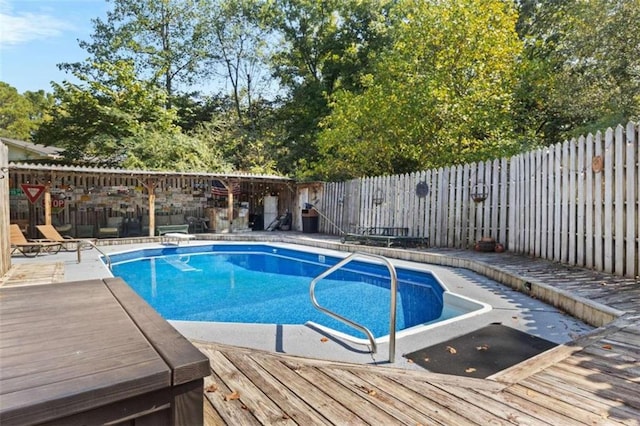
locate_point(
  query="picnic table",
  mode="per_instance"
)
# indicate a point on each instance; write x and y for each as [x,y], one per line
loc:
[386,236]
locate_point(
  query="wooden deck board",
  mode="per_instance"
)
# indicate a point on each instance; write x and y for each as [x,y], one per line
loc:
[320,400]
[561,404]
[250,395]
[231,411]
[390,401]
[431,406]
[292,406]
[561,390]
[355,400]
[506,412]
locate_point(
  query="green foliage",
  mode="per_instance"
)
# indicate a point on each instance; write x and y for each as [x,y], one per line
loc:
[193,109]
[580,68]
[326,45]
[91,121]
[237,48]
[152,150]
[248,144]
[443,100]
[166,40]
[20,115]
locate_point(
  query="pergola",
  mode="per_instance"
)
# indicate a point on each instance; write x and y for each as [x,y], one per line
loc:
[56,179]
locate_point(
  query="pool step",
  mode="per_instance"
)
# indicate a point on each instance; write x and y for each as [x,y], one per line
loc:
[180,264]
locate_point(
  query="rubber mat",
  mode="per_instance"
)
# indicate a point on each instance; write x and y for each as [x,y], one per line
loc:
[480,353]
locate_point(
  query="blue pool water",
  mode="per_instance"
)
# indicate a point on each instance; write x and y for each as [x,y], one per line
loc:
[256,283]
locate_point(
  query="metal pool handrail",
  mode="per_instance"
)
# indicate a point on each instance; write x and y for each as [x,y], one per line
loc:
[365,330]
[92,244]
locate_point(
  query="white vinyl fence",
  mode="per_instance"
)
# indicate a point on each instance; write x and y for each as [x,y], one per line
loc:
[576,202]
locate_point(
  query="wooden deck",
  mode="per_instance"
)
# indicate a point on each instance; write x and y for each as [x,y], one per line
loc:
[594,380]
[595,384]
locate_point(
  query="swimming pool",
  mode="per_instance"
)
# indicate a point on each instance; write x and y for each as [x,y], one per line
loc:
[265,283]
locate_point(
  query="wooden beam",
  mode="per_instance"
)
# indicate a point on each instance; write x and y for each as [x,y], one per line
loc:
[150,185]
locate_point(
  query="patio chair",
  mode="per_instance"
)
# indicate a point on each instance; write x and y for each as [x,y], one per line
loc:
[50,233]
[30,248]
[112,229]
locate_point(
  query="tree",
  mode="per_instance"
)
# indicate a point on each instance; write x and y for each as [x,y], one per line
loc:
[326,45]
[152,150]
[165,39]
[248,145]
[20,115]
[92,119]
[440,96]
[194,109]
[580,69]
[238,45]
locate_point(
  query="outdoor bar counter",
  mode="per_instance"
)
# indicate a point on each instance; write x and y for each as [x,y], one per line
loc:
[93,352]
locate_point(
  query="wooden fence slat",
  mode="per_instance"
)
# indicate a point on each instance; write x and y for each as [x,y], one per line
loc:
[637,160]
[451,225]
[580,216]
[572,170]
[428,205]
[619,202]
[544,201]
[589,203]
[486,205]
[512,206]
[466,201]
[537,191]
[495,199]
[531,202]
[522,204]
[479,226]
[551,191]
[457,236]
[598,203]
[631,250]
[564,208]
[410,208]
[557,203]
[608,201]
[504,192]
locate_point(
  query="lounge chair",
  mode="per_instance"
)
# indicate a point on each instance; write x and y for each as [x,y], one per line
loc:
[68,243]
[30,248]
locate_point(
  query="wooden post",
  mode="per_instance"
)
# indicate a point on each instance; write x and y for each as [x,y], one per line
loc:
[152,211]
[151,185]
[47,205]
[230,208]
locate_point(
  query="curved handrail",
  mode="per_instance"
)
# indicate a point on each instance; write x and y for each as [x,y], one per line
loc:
[365,330]
[92,244]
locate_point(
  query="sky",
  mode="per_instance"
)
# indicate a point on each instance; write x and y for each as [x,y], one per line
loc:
[35,35]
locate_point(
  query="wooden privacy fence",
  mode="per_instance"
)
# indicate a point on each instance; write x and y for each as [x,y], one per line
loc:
[575,202]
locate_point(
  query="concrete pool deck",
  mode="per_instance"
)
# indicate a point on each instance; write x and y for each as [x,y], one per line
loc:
[509,307]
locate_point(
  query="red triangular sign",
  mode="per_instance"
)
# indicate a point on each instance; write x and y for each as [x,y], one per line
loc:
[33,192]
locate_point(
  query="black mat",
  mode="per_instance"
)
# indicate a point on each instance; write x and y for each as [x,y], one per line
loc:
[480,353]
